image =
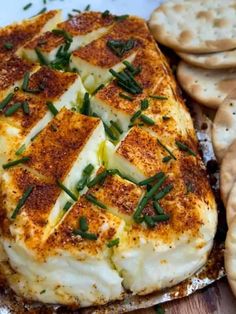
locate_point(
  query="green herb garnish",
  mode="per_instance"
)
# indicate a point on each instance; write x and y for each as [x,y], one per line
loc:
[8,45]
[98,179]
[148,195]
[87,8]
[159,210]
[25,106]
[158,97]
[125,96]
[94,200]
[166,149]
[120,47]
[121,17]
[22,201]
[85,109]
[85,235]
[157,176]
[106,13]
[67,206]
[66,190]
[147,120]
[85,177]
[114,242]
[11,110]
[144,104]
[61,32]
[83,224]
[116,126]
[6,101]
[15,162]
[185,148]
[166,159]
[20,150]
[98,88]
[52,108]
[163,192]
[27,6]
[41,58]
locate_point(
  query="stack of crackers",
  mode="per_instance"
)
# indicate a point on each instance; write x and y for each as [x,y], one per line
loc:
[203,34]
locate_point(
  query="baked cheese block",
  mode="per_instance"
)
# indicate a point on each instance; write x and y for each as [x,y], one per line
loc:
[103,189]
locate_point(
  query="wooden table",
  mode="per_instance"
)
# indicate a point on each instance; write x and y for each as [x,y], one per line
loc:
[215,299]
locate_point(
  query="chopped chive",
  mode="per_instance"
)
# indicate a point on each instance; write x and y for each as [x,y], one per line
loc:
[144,104]
[116,171]
[165,118]
[185,148]
[41,11]
[159,218]
[67,206]
[98,179]
[166,159]
[25,81]
[11,110]
[83,224]
[163,192]
[158,97]
[70,16]
[87,8]
[8,45]
[6,101]
[105,14]
[22,201]
[159,309]
[20,150]
[40,56]
[131,68]
[76,10]
[159,210]
[25,106]
[61,32]
[44,1]
[85,109]
[98,88]
[85,235]
[27,6]
[149,221]
[85,176]
[43,291]
[157,176]
[121,17]
[116,126]
[15,162]
[120,47]
[94,200]
[148,195]
[135,116]
[109,132]
[34,137]
[52,108]
[66,190]
[147,120]
[166,149]
[125,96]
[112,243]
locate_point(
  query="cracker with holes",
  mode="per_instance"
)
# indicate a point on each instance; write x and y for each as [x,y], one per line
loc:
[195,26]
[215,60]
[208,87]
[224,126]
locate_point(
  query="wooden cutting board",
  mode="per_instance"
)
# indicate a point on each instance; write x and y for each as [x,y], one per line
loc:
[215,299]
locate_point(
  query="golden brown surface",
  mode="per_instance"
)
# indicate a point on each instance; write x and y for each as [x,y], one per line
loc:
[19,34]
[46,42]
[85,23]
[11,71]
[63,237]
[55,149]
[52,83]
[152,73]
[97,53]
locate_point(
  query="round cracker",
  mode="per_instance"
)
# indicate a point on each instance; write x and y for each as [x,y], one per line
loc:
[231,205]
[230,255]
[208,87]
[196,26]
[228,173]
[216,60]
[224,127]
